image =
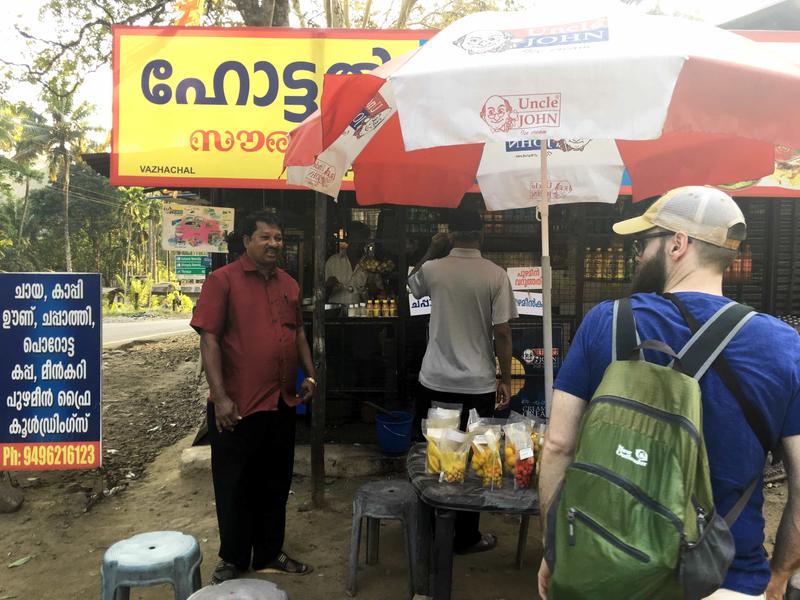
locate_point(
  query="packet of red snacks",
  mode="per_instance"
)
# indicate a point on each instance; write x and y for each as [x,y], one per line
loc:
[520,452]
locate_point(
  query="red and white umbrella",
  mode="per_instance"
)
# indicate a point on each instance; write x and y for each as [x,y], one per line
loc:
[676,102]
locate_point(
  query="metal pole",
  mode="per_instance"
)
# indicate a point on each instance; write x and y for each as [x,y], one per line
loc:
[547,309]
[318,404]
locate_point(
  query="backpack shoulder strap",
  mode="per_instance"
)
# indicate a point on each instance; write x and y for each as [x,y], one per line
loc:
[751,413]
[733,321]
[710,340]
[624,338]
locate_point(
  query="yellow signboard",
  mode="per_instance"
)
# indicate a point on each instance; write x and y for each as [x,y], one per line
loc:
[212,107]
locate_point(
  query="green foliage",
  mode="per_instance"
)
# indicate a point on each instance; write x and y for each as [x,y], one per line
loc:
[83,40]
[178,302]
[4,243]
[173,302]
[440,14]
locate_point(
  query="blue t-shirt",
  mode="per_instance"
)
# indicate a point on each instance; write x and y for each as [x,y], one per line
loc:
[764,355]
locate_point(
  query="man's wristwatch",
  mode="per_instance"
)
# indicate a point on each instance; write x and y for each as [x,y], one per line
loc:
[312,380]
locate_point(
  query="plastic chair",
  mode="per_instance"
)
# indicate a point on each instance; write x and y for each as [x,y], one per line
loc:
[151,559]
[241,589]
[394,499]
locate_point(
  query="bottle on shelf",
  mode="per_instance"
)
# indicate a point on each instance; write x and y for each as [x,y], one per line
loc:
[630,266]
[370,308]
[736,270]
[588,261]
[608,264]
[619,263]
[597,264]
[747,264]
[392,308]
[362,309]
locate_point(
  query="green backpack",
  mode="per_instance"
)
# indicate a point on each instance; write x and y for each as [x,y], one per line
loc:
[634,517]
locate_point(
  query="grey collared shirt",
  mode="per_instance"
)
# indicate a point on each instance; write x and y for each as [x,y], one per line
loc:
[469,295]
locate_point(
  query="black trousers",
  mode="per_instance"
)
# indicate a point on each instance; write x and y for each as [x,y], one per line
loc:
[252,471]
[467,525]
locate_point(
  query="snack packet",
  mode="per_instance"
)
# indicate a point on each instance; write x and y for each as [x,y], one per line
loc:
[454,448]
[486,455]
[440,410]
[520,454]
[510,452]
[433,430]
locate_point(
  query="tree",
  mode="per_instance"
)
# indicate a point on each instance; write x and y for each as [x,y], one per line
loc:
[84,43]
[59,142]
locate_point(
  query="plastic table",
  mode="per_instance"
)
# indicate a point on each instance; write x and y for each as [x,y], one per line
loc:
[442,501]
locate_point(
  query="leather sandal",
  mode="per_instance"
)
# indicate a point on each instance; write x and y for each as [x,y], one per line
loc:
[287,566]
[224,571]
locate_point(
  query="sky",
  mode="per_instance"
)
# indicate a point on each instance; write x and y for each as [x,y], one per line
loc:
[97,88]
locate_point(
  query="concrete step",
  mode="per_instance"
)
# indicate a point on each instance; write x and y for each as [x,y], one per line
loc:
[341,460]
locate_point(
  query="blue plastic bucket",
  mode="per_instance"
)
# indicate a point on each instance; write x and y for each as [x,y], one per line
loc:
[394,433]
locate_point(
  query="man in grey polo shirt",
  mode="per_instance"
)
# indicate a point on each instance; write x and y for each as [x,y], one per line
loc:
[472,305]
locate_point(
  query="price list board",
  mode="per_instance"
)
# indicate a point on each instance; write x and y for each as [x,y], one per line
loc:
[51,340]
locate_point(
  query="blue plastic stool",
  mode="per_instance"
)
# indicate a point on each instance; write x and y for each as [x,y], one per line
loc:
[150,559]
[241,589]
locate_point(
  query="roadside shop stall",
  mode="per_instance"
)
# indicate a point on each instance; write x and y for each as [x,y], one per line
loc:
[220,127]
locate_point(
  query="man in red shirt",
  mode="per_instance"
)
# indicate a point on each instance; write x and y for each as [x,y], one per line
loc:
[251,338]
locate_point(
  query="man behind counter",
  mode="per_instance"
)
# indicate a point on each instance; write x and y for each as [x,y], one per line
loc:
[346,280]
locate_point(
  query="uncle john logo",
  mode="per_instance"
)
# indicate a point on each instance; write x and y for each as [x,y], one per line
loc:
[527,113]
[578,33]
[371,116]
[320,174]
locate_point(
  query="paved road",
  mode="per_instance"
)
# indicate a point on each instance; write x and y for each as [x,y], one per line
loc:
[115,334]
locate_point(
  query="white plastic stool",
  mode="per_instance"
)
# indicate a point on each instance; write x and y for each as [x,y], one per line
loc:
[241,589]
[151,559]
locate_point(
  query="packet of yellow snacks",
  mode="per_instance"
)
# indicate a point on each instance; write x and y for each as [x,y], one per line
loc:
[433,431]
[454,448]
[486,459]
[486,456]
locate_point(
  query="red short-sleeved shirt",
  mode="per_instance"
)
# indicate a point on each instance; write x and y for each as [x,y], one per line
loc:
[257,321]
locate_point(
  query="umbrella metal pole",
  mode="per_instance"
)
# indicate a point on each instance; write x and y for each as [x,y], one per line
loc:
[318,404]
[547,310]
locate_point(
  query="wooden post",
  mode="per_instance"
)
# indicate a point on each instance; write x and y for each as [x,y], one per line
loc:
[318,405]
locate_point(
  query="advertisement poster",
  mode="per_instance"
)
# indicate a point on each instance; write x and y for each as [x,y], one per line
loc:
[529,303]
[50,371]
[196,228]
[525,278]
[224,121]
[421,306]
[213,106]
[527,368]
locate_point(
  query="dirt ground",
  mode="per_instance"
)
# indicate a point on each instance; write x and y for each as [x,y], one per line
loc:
[152,408]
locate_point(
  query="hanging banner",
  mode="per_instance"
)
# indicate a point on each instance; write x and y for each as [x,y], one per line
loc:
[196,228]
[419,306]
[212,106]
[50,371]
[529,303]
[525,278]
